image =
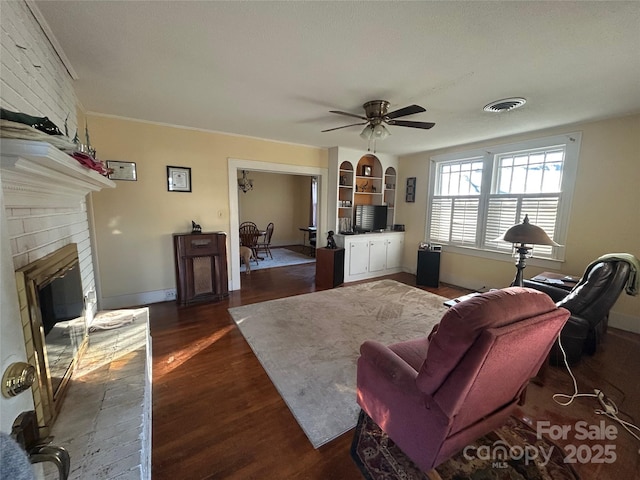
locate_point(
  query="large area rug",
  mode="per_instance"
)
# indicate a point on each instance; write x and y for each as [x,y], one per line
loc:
[309,344]
[281,258]
[379,458]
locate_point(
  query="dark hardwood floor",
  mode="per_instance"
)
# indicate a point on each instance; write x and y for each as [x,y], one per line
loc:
[216,414]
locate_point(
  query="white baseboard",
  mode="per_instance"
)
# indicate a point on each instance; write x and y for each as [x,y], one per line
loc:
[624,322]
[137,299]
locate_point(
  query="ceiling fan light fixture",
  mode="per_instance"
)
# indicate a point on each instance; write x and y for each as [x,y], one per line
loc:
[380,132]
[378,117]
[505,105]
[367,133]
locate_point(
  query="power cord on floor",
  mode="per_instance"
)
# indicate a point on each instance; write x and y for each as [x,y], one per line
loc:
[609,408]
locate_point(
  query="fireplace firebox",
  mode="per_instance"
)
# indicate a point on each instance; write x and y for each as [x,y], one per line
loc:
[53,318]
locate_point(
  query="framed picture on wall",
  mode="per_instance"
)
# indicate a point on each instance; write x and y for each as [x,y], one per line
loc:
[179,179]
[411,190]
[122,170]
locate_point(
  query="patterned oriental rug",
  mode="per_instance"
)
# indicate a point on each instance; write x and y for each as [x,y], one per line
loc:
[309,345]
[379,458]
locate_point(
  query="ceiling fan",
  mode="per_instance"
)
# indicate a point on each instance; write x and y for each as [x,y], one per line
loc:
[376,115]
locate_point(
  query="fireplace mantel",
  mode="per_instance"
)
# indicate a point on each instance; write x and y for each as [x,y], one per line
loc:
[42,208]
[37,173]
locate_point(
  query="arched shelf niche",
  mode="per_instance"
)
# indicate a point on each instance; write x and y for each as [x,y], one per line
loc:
[346,178]
[369,181]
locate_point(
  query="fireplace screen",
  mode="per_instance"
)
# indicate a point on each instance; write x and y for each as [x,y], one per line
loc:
[55,316]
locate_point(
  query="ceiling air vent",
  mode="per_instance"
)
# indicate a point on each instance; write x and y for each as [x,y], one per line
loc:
[505,105]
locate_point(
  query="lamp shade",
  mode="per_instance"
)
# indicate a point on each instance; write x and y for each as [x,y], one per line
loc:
[367,132]
[380,132]
[375,132]
[527,233]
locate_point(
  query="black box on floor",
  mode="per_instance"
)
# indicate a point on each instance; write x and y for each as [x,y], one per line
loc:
[428,271]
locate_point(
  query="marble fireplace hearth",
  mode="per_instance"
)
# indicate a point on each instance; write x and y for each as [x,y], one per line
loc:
[105,423]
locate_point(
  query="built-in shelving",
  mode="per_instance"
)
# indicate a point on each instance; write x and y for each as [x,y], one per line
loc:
[345,196]
[360,178]
[369,188]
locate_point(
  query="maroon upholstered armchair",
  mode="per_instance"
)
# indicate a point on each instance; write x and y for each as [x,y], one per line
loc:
[435,395]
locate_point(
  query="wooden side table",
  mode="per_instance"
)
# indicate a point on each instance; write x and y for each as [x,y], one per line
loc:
[329,267]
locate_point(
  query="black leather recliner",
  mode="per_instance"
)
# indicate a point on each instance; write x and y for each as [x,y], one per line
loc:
[589,303]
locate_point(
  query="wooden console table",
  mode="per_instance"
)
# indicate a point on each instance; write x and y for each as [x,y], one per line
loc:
[201,267]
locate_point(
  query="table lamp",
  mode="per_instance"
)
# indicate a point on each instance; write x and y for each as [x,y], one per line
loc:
[523,236]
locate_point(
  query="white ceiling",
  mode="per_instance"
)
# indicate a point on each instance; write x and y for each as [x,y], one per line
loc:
[274,69]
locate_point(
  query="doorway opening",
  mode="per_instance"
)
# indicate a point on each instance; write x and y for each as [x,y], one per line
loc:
[300,193]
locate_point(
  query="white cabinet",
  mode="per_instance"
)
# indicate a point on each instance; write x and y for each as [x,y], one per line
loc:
[395,246]
[377,254]
[372,254]
[357,257]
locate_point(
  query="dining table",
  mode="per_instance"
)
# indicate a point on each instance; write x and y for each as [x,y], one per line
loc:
[306,235]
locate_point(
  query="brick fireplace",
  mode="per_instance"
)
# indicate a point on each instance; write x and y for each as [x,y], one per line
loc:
[44,194]
[105,419]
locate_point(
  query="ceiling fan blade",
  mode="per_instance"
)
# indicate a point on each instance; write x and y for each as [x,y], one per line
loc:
[347,114]
[403,112]
[345,126]
[408,123]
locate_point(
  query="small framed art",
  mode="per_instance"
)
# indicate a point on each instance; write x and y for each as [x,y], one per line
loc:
[122,170]
[411,190]
[366,170]
[179,179]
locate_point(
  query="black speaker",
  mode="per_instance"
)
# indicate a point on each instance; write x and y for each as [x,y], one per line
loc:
[428,271]
[329,267]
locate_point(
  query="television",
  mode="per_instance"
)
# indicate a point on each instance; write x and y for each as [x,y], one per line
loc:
[370,218]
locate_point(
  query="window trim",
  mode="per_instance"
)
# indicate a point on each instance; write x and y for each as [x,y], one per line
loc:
[571,141]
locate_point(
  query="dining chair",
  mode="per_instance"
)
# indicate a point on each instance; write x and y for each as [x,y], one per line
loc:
[265,244]
[249,235]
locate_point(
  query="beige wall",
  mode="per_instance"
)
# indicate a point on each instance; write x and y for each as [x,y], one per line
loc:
[135,221]
[279,198]
[605,216]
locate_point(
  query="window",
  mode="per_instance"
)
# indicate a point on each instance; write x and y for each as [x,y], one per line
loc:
[476,196]
[313,209]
